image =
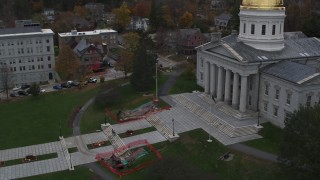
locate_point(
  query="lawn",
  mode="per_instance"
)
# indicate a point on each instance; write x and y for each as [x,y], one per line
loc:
[130,99]
[35,120]
[192,157]
[272,137]
[79,173]
[185,84]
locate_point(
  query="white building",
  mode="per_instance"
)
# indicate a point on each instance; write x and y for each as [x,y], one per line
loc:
[106,36]
[29,53]
[138,23]
[261,69]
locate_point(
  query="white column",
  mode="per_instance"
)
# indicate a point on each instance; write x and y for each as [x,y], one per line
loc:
[220,84]
[235,91]
[207,78]
[227,86]
[243,93]
[213,79]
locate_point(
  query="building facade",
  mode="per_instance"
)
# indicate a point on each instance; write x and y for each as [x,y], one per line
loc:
[100,36]
[261,69]
[29,53]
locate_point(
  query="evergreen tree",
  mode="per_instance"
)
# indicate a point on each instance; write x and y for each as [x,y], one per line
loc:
[144,61]
[299,150]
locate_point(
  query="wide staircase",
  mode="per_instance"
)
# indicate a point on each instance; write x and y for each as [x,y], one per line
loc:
[162,128]
[214,120]
[116,141]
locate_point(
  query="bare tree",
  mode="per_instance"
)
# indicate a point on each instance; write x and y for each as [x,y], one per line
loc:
[5,78]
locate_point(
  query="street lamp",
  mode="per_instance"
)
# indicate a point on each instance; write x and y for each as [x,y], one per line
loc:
[173,127]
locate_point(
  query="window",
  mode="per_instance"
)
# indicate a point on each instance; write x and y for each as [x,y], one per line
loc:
[266,90]
[277,94]
[275,111]
[49,66]
[244,28]
[252,28]
[49,58]
[263,30]
[289,98]
[308,104]
[273,29]
[48,41]
[280,29]
[202,62]
[48,48]
[265,106]
[249,101]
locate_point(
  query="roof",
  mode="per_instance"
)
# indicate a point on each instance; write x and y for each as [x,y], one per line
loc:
[23,31]
[89,33]
[224,16]
[186,33]
[296,46]
[291,71]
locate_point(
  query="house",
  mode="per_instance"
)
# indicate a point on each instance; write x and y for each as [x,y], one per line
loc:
[217,4]
[48,15]
[188,39]
[221,22]
[90,54]
[261,71]
[29,53]
[138,23]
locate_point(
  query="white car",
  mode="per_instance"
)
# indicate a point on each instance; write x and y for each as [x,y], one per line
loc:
[92,80]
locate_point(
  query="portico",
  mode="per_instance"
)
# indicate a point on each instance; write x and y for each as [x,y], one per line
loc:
[223,84]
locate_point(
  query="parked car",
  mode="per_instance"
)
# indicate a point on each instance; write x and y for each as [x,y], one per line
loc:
[26,86]
[16,88]
[42,90]
[65,85]
[14,94]
[73,83]
[57,87]
[23,93]
[92,80]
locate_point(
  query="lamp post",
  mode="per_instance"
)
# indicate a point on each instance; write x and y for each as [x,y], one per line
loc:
[173,127]
[156,82]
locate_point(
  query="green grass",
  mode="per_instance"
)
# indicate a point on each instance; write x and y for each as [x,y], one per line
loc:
[272,137]
[130,99]
[73,149]
[191,156]
[185,84]
[24,119]
[79,173]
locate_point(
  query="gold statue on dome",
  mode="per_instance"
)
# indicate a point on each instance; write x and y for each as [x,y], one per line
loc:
[264,4]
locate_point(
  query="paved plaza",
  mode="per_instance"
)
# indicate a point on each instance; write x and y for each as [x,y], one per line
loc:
[184,120]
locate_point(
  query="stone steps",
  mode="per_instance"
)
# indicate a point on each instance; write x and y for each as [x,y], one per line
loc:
[213,120]
[162,128]
[115,140]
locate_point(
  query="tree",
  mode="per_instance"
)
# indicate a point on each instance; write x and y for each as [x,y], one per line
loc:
[122,17]
[80,11]
[143,66]
[299,150]
[186,20]
[5,78]
[67,63]
[131,41]
[143,8]
[34,89]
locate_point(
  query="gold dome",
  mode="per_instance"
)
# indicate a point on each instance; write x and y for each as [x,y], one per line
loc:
[262,4]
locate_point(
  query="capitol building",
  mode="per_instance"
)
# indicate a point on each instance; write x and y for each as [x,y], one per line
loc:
[261,69]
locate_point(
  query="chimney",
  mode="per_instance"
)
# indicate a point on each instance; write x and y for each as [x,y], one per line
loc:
[216,37]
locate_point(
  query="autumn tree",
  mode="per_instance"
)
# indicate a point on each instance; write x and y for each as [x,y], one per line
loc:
[80,11]
[131,42]
[67,63]
[186,20]
[63,22]
[122,18]
[143,8]
[299,150]
[156,15]
[5,78]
